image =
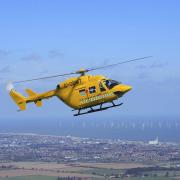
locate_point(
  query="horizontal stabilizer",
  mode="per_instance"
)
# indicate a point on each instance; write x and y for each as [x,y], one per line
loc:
[38,103]
[32,93]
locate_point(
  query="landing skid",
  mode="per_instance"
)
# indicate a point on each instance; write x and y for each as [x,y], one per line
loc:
[92,110]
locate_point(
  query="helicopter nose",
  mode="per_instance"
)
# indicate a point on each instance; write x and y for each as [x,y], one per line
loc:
[122,89]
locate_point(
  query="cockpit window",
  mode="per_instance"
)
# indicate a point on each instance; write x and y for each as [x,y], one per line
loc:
[101,87]
[111,83]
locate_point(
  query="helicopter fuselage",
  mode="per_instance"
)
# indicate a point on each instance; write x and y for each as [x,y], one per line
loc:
[86,91]
[77,92]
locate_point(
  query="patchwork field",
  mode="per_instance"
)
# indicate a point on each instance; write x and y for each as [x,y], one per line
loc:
[55,178]
[31,178]
[35,169]
[51,171]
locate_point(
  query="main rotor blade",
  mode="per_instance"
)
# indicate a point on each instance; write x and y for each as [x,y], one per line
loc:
[82,71]
[123,62]
[47,77]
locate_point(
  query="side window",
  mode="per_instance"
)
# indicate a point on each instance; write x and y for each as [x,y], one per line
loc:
[92,89]
[101,87]
[82,92]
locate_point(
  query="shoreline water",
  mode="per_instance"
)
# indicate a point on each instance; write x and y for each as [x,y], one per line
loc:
[133,130]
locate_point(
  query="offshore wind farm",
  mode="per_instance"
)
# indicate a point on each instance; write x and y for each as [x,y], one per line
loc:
[140,129]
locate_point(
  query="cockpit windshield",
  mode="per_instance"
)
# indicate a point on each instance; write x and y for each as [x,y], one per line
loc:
[111,83]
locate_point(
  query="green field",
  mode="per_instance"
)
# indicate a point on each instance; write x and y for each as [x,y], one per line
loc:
[31,178]
[55,178]
[149,178]
[95,171]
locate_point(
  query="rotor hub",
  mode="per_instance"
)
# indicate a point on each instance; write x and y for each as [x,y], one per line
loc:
[82,71]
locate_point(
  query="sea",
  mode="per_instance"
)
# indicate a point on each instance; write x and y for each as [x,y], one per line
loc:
[167,129]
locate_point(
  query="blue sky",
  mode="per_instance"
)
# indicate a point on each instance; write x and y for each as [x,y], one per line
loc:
[43,37]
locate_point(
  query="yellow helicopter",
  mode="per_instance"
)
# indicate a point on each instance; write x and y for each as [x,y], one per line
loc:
[80,93]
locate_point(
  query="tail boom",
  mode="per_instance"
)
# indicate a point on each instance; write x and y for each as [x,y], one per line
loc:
[21,100]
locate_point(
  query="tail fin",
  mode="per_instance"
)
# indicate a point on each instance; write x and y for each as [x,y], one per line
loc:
[19,99]
[32,93]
